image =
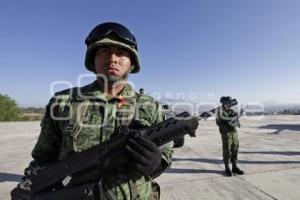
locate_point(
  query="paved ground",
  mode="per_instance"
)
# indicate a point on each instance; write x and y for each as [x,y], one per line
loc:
[269,154]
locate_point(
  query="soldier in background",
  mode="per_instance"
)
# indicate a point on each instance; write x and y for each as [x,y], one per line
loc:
[228,121]
[98,111]
[142,92]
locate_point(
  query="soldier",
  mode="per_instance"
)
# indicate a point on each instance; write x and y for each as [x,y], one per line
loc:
[142,91]
[79,118]
[227,120]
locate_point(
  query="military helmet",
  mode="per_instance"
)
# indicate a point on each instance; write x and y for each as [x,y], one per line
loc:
[111,33]
[225,99]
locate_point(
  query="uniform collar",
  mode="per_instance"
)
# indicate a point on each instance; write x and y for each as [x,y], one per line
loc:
[92,91]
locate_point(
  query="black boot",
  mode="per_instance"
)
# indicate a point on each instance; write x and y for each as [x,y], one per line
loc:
[236,170]
[227,170]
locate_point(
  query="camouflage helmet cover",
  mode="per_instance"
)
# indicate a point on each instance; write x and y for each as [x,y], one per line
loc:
[111,33]
[225,99]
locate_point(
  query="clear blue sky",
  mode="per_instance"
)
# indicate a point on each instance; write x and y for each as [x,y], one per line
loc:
[249,49]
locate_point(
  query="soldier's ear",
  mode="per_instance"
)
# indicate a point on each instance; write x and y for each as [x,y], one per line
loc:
[131,68]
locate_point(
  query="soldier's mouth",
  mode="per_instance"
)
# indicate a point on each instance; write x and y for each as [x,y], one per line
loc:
[112,70]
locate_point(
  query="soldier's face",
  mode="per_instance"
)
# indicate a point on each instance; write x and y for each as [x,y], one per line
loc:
[226,106]
[114,62]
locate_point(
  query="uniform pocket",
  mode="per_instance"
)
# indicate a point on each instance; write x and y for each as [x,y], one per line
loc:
[67,142]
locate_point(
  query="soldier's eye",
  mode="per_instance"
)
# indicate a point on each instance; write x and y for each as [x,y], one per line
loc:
[122,52]
[103,49]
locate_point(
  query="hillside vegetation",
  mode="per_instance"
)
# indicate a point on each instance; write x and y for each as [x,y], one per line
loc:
[9,111]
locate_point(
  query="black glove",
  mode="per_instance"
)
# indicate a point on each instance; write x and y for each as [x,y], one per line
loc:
[32,170]
[146,156]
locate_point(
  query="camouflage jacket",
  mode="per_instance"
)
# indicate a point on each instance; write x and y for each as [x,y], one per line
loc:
[79,118]
[227,120]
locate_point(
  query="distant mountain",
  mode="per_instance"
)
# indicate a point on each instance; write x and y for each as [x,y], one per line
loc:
[37,110]
[275,107]
[269,107]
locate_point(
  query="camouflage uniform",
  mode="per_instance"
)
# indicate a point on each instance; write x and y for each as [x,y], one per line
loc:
[227,120]
[95,119]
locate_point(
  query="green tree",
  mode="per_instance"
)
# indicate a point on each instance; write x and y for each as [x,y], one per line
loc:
[8,109]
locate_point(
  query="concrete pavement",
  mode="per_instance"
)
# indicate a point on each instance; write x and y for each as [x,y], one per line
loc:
[269,154]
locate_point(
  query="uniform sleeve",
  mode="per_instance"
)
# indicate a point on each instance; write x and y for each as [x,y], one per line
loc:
[218,120]
[48,145]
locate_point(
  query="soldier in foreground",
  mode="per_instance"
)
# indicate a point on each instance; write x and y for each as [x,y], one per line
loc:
[79,118]
[228,121]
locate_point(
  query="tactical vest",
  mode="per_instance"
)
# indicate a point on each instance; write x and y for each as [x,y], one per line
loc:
[79,111]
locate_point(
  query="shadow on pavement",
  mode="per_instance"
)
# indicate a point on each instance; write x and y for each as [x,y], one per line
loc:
[10,177]
[268,162]
[281,127]
[203,160]
[196,171]
[284,153]
[217,161]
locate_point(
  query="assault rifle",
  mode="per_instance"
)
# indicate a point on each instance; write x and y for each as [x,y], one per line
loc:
[74,177]
[209,113]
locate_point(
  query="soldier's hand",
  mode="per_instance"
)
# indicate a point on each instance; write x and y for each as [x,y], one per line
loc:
[146,156]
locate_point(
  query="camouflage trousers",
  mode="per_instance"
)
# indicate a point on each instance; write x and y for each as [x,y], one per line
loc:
[230,144]
[134,194]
